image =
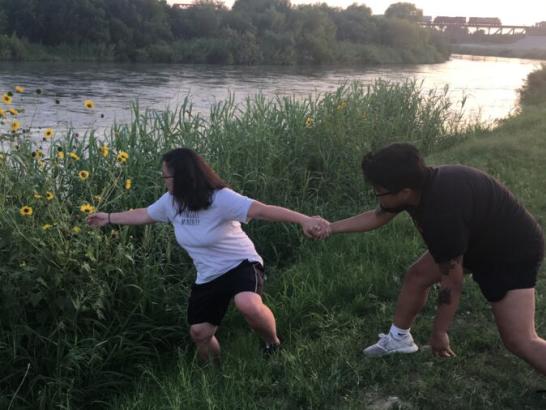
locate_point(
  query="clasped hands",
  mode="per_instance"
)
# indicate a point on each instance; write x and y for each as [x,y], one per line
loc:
[317,227]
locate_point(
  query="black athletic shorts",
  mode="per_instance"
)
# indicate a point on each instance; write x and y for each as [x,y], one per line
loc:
[209,301]
[496,281]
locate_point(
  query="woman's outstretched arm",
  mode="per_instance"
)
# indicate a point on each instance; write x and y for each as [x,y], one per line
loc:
[133,217]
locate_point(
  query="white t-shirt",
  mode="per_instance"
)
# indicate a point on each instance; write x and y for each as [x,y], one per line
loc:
[212,237]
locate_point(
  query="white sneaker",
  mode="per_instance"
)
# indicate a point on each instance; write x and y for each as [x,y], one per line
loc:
[389,345]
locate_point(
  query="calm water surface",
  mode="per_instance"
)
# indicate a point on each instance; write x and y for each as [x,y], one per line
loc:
[489,83]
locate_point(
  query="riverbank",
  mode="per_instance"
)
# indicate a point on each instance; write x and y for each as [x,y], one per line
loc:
[225,52]
[339,294]
[87,311]
[531,47]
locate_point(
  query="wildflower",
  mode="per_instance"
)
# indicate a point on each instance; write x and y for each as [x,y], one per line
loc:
[25,211]
[342,105]
[89,104]
[83,175]
[87,208]
[19,89]
[38,154]
[97,198]
[49,195]
[309,122]
[15,125]
[45,227]
[128,184]
[60,154]
[48,133]
[74,155]
[105,150]
[76,229]
[37,195]
[122,157]
[13,112]
[6,99]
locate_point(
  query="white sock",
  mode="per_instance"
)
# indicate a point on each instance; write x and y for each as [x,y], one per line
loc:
[398,333]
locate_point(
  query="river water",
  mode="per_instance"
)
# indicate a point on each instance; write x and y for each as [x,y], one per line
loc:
[490,85]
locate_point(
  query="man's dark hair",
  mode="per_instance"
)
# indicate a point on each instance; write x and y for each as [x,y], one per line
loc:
[395,167]
[194,180]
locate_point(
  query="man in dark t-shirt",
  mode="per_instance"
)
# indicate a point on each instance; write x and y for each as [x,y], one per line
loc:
[469,221]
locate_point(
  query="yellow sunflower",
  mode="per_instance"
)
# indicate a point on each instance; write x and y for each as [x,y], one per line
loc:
[74,156]
[2,113]
[342,105]
[83,175]
[38,154]
[15,125]
[105,150]
[13,112]
[309,122]
[87,208]
[122,157]
[45,227]
[6,99]
[19,89]
[49,195]
[128,184]
[89,104]
[25,211]
[76,229]
[48,133]
[60,154]
[37,195]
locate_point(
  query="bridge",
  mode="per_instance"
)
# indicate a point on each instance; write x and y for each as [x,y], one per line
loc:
[490,30]
[487,25]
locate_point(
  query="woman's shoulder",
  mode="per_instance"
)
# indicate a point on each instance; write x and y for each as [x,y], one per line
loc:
[227,195]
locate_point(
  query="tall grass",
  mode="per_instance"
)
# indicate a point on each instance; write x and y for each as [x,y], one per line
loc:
[81,310]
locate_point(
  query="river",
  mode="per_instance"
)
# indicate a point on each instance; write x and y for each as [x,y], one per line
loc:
[490,85]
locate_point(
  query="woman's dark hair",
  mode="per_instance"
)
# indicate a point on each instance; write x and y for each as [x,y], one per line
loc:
[395,167]
[194,180]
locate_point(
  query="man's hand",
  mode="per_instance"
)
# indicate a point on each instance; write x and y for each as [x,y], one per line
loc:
[439,344]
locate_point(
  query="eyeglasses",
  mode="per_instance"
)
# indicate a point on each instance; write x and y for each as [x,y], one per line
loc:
[385,193]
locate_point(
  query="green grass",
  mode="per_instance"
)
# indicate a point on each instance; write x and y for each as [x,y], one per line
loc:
[100,315]
[340,293]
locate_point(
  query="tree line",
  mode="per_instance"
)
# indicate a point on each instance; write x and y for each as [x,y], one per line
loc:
[251,32]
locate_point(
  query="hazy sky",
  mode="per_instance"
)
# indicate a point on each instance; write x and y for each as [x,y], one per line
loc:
[509,11]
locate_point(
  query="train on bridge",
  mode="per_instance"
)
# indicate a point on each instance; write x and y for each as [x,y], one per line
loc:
[462,21]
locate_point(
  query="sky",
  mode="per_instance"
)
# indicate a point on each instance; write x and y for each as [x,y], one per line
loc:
[524,12]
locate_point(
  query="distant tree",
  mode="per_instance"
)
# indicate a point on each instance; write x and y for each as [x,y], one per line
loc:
[355,24]
[259,6]
[316,35]
[406,11]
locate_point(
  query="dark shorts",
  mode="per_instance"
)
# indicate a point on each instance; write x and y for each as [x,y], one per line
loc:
[209,301]
[495,282]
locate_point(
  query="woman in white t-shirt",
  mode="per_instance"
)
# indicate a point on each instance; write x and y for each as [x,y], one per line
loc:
[206,216]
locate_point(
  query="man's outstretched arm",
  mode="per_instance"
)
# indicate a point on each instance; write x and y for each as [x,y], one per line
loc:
[448,301]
